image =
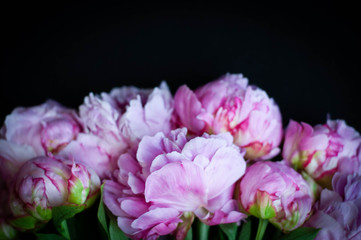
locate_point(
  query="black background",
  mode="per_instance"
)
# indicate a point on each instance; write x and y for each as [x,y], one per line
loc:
[306,57]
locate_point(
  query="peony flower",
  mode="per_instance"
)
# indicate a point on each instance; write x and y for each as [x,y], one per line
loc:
[169,180]
[127,114]
[117,121]
[35,131]
[45,128]
[274,191]
[338,212]
[93,152]
[229,104]
[43,183]
[323,150]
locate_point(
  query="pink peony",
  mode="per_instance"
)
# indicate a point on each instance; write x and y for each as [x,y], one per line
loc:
[229,104]
[127,114]
[43,183]
[274,191]
[158,190]
[338,212]
[117,121]
[323,150]
[35,131]
[46,128]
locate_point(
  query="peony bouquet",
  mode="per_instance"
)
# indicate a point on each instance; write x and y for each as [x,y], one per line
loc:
[202,164]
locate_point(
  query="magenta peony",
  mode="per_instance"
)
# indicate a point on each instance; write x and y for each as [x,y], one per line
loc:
[229,104]
[170,180]
[274,191]
[323,150]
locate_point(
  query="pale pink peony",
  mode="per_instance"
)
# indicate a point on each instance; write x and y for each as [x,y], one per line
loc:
[323,150]
[274,191]
[338,212]
[126,114]
[43,183]
[229,104]
[159,189]
[46,128]
[93,152]
[117,121]
[35,131]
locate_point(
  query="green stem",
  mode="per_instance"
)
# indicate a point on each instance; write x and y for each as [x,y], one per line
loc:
[203,231]
[262,225]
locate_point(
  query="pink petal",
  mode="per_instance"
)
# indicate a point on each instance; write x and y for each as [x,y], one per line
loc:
[204,146]
[155,217]
[111,193]
[134,207]
[225,168]
[187,106]
[136,184]
[178,185]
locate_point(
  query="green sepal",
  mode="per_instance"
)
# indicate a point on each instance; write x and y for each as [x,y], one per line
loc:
[27,222]
[262,208]
[42,214]
[78,193]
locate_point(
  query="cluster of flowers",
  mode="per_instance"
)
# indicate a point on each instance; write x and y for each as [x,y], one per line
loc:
[165,161]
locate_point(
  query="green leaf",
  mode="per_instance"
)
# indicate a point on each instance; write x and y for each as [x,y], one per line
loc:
[230,230]
[43,236]
[62,228]
[62,213]
[101,213]
[245,233]
[114,231]
[221,234]
[303,233]
[189,235]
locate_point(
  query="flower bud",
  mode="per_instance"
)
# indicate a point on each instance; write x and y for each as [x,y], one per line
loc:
[46,128]
[323,150]
[274,191]
[229,104]
[43,183]
[83,185]
[35,131]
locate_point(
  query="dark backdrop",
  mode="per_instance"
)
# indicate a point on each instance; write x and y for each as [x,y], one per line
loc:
[306,58]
